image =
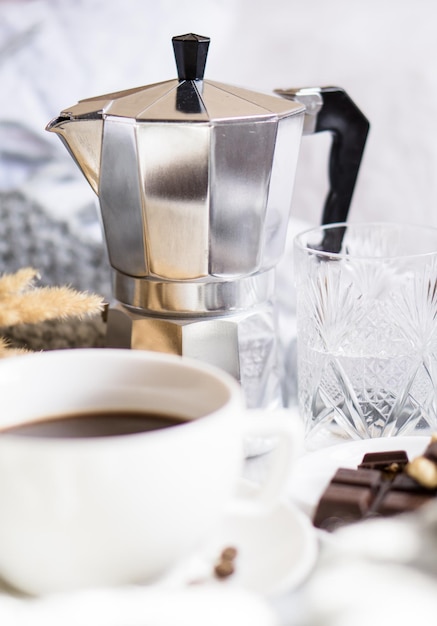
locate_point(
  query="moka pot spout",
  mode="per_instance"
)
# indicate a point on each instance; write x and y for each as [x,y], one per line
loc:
[83,140]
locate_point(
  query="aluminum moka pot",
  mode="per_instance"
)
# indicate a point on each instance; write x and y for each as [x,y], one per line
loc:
[194,180]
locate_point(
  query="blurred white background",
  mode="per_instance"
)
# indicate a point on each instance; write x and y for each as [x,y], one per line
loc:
[382,52]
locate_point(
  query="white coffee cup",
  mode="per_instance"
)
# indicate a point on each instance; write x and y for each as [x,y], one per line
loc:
[121,509]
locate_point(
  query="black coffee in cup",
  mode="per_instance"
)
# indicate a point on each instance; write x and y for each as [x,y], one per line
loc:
[95,424]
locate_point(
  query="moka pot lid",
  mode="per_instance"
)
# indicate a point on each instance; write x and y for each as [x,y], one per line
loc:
[189,98]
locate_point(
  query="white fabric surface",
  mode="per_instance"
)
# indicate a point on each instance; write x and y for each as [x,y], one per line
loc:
[136,606]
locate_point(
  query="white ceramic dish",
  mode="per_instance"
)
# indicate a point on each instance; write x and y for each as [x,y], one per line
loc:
[276,551]
[313,471]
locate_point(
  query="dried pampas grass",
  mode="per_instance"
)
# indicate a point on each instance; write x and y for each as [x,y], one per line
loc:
[23,302]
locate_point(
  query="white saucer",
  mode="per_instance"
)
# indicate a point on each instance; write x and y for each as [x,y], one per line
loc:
[276,551]
[313,471]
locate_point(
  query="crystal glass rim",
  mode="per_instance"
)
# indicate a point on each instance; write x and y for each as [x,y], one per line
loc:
[301,242]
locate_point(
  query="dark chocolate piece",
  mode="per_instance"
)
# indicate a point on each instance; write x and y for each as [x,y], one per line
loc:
[359,477]
[403,482]
[342,504]
[389,461]
[379,486]
[396,502]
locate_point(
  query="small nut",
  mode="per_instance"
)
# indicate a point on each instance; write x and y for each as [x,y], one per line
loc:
[393,468]
[229,554]
[225,564]
[224,568]
[423,471]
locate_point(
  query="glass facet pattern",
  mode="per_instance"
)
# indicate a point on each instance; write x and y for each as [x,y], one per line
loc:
[367,331]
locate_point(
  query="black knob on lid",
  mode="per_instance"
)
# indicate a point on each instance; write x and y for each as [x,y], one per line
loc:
[190,53]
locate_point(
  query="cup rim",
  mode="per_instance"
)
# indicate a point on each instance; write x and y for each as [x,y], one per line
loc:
[298,241]
[13,364]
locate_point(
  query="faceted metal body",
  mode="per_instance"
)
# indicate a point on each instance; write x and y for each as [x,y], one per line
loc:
[188,192]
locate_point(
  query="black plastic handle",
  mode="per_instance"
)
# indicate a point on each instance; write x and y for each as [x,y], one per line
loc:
[349,128]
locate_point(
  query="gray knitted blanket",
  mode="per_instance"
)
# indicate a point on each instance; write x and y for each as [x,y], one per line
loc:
[30,237]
